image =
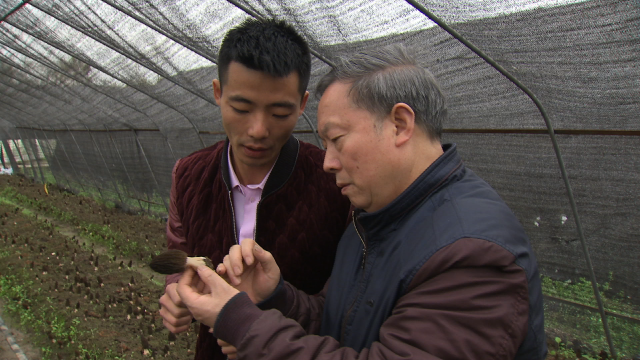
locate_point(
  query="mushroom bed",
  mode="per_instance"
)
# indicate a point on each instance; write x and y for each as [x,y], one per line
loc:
[74,277]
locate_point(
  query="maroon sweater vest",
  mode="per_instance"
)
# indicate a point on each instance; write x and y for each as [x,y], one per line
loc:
[300,217]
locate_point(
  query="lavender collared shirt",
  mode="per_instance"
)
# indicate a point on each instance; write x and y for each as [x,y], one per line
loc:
[245,201]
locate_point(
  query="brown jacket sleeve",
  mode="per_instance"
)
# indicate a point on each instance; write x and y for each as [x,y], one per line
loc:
[459,306]
[175,235]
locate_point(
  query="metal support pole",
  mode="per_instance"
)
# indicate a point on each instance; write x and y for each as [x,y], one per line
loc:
[56,158]
[115,185]
[24,164]
[12,159]
[150,169]
[79,180]
[48,162]
[115,146]
[86,162]
[35,157]
[313,129]
[24,168]
[33,168]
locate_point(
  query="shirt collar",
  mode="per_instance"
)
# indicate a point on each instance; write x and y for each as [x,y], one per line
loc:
[235,183]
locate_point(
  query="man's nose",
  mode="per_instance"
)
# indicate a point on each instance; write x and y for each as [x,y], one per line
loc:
[258,128]
[331,163]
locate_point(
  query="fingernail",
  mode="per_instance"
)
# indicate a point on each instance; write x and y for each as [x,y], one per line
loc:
[236,270]
[219,268]
[258,249]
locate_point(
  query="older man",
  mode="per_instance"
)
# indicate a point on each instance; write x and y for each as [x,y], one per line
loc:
[434,266]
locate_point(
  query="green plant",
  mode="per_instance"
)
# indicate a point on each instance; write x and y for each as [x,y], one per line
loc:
[563,350]
[587,325]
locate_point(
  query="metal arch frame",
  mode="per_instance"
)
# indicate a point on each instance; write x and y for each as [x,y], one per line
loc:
[159,30]
[62,145]
[124,166]
[35,154]
[170,148]
[23,3]
[110,74]
[153,175]
[36,139]
[209,57]
[94,142]
[551,134]
[125,54]
[556,149]
[135,133]
[24,171]
[91,87]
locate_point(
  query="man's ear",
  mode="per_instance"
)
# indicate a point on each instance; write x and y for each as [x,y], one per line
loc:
[303,103]
[217,91]
[404,121]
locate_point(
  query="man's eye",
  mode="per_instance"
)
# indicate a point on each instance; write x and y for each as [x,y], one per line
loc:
[279,116]
[239,111]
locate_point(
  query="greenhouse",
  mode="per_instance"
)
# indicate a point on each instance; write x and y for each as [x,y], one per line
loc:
[100,98]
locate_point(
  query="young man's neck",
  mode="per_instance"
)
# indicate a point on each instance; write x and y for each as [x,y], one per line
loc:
[250,175]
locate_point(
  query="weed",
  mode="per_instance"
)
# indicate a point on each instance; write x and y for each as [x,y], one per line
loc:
[586,325]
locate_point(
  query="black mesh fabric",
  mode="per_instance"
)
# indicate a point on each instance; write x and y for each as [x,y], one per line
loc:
[104,96]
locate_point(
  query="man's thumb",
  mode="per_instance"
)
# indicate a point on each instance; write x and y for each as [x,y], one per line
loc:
[264,258]
[208,276]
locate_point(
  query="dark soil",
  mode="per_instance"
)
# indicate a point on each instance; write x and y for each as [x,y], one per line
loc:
[82,291]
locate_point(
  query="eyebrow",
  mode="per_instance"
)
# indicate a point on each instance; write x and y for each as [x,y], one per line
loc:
[325,129]
[284,104]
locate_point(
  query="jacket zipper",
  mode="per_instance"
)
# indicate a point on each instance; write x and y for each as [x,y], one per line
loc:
[364,258]
[233,218]
[255,225]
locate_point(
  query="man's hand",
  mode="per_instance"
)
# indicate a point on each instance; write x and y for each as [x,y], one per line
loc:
[228,349]
[176,317]
[251,269]
[204,302]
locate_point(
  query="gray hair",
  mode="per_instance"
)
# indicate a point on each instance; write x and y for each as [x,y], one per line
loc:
[383,77]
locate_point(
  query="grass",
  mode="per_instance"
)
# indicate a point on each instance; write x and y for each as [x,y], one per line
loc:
[586,326]
[47,318]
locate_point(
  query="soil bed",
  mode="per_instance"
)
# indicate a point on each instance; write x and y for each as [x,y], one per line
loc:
[73,277]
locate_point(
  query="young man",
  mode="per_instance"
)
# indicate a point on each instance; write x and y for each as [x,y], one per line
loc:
[434,266]
[261,183]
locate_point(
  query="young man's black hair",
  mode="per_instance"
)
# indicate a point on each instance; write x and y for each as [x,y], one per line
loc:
[270,46]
